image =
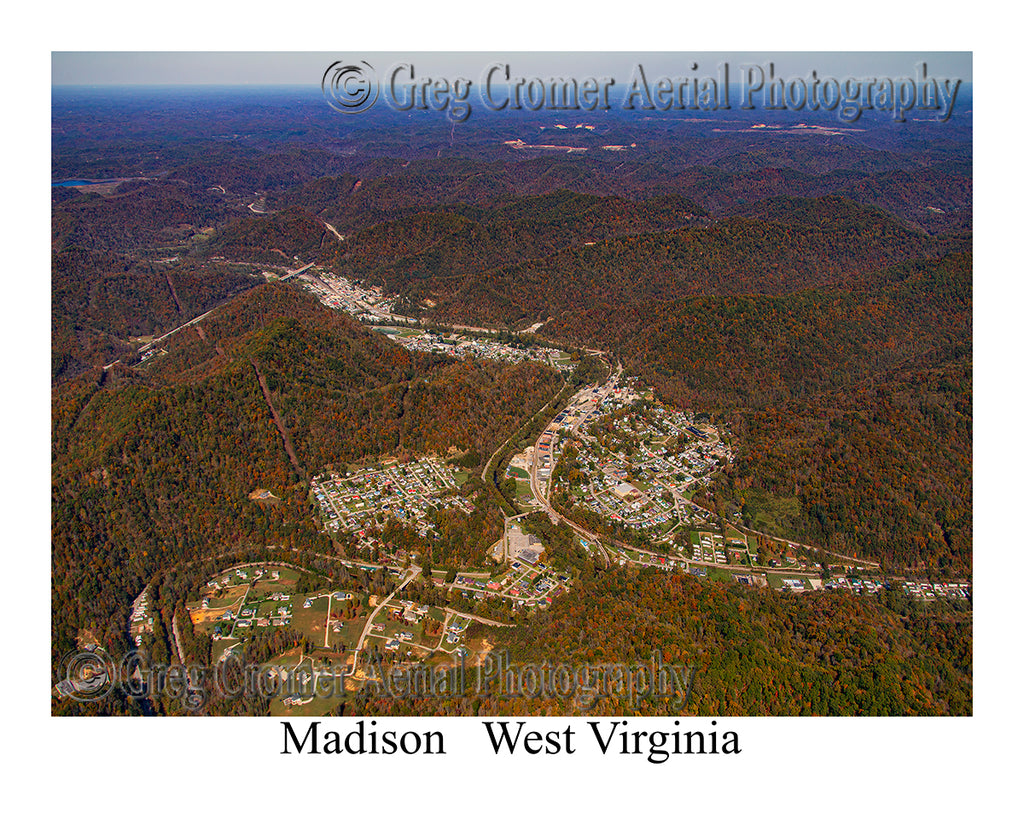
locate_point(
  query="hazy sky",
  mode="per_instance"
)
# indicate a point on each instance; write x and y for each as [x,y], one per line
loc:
[300,68]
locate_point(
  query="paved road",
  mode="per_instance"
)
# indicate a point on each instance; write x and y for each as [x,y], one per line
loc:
[414,573]
[541,497]
[330,227]
[479,619]
[292,273]
[149,344]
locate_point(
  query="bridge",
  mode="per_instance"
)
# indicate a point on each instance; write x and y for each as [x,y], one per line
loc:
[292,273]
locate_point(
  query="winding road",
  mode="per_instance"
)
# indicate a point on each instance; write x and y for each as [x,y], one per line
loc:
[414,572]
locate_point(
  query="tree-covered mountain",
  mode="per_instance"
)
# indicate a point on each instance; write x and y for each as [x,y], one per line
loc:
[809,289]
[153,468]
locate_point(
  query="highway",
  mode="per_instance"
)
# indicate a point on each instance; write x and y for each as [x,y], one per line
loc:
[292,273]
[600,392]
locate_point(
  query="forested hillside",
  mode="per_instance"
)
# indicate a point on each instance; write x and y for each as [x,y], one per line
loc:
[807,292]
[761,653]
[747,652]
[154,468]
[806,244]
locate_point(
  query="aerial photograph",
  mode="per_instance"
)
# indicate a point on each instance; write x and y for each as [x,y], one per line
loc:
[512,385]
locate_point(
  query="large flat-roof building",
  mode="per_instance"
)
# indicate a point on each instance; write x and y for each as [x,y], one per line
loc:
[522,546]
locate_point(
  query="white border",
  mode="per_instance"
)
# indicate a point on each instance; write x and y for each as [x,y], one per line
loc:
[842,767]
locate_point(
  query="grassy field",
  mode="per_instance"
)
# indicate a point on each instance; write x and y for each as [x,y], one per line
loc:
[399,332]
[349,633]
[327,693]
[734,534]
[309,622]
[392,628]
[225,598]
[666,527]
[219,647]
[523,490]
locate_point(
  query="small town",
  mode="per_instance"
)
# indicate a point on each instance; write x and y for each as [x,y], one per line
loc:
[369,304]
[367,497]
[613,453]
[338,625]
[364,303]
[639,466]
[466,346]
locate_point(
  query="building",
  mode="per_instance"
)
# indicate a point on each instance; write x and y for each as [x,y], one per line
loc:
[522,546]
[625,490]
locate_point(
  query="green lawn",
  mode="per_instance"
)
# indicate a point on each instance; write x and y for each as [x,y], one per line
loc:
[327,693]
[222,600]
[347,636]
[523,489]
[219,647]
[734,534]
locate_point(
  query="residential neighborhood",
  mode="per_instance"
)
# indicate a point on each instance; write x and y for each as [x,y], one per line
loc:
[368,496]
[614,451]
[461,345]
